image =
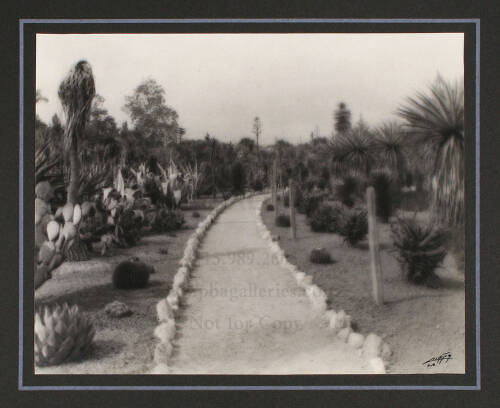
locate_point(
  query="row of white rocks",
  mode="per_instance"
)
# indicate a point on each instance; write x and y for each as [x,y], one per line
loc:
[371,347]
[168,308]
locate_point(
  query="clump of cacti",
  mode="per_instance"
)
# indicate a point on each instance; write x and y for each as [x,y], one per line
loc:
[62,333]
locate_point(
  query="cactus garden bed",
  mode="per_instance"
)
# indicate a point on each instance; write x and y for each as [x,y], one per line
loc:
[416,321]
[122,345]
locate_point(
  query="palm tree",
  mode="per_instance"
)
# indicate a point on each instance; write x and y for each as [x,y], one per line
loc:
[76,93]
[435,121]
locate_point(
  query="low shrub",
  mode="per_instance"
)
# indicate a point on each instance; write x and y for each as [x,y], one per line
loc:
[270,207]
[195,214]
[326,218]
[167,220]
[320,256]
[131,275]
[62,333]
[257,185]
[420,249]
[310,202]
[354,226]
[282,220]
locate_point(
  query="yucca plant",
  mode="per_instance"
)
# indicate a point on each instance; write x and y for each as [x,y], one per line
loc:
[354,152]
[390,147]
[76,93]
[420,249]
[62,333]
[435,122]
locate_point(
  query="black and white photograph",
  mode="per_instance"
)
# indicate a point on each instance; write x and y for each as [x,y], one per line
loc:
[249,204]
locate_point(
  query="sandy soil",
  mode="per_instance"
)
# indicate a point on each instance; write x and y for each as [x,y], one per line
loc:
[245,314]
[418,322]
[124,345]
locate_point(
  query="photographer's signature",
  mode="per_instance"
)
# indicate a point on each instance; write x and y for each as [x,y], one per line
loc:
[438,360]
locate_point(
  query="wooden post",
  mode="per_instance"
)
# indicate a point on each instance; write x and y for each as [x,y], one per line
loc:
[293,225]
[376,270]
[273,185]
[275,172]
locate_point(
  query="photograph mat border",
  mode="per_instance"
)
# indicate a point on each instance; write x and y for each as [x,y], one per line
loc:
[23,387]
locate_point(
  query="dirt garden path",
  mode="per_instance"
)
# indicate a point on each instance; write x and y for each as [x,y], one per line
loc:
[245,314]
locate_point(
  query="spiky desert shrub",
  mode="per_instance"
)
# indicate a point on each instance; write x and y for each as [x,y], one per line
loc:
[131,275]
[62,333]
[420,249]
[127,228]
[320,256]
[326,218]
[168,220]
[346,191]
[354,226]
[282,220]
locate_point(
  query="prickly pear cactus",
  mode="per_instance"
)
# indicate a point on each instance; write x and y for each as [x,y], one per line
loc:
[62,333]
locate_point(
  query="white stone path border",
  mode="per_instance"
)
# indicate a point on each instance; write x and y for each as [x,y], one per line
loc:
[371,347]
[167,309]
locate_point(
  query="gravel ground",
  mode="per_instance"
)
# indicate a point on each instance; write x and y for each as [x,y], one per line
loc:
[417,322]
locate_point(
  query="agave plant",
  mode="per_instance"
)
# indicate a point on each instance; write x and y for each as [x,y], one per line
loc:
[435,120]
[420,248]
[62,333]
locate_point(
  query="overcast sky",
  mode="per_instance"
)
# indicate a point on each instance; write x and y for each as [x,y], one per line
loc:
[218,83]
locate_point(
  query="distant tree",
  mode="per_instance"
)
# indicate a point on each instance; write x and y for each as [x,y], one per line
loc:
[257,130]
[238,178]
[342,119]
[151,116]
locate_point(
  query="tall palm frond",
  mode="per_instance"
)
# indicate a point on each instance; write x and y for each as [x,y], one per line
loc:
[435,120]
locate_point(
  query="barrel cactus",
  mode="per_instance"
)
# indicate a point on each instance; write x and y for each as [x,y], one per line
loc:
[62,333]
